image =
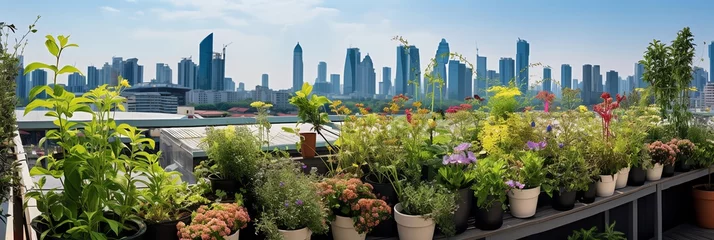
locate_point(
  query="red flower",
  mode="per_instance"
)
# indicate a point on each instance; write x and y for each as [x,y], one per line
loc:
[477,97]
[605,95]
[369,109]
[409,115]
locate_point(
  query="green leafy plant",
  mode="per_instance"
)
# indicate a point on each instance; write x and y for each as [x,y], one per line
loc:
[529,170]
[503,100]
[234,153]
[432,202]
[457,169]
[262,120]
[569,171]
[611,234]
[350,197]
[287,199]
[309,106]
[582,234]
[490,186]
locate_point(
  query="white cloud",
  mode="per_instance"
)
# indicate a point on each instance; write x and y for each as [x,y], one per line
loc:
[109,9]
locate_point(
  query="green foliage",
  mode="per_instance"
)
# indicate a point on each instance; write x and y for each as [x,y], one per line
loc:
[234,153]
[499,136]
[288,199]
[503,101]
[592,234]
[309,106]
[456,177]
[571,98]
[490,181]
[631,131]
[569,171]
[431,201]
[529,169]
[582,234]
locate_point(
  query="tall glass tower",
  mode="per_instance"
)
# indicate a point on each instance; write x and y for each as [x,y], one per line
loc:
[522,54]
[566,76]
[506,70]
[352,71]
[297,68]
[442,58]
[547,80]
[205,64]
[586,93]
[264,80]
[400,84]
[481,83]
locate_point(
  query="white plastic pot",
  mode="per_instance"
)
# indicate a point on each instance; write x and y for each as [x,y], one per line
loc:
[622,177]
[413,227]
[523,202]
[606,185]
[655,173]
[299,234]
[343,228]
[233,236]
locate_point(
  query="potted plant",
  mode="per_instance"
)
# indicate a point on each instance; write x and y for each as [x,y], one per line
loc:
[457,174]
[355,209]
[421,208]
[632,130]
[528,173]
[608,161]
[490,192]
[684,156]
[703,194]
[234,154]
[668,169]
[569,174]
[661,154]
[289,207]
[100,202]
[219,221]
[309,106]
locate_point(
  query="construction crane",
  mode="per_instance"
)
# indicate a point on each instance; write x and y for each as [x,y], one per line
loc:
[224,49]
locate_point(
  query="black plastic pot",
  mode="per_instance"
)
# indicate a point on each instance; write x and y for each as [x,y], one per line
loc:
[136,231]
[668,170]
[682,166]
[228,186]
[563,201]
[464,202]
[589,195]
[489,218]
[637,176]
[166,229]
[385,191]
[544,199]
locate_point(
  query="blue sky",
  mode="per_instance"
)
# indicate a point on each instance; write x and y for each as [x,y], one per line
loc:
[611,33]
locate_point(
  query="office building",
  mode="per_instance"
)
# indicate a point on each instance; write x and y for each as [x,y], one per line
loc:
[218,73]
[39,78]
[335,83]
[229,84]
[457,76]
[262,94]
[264,80]
[105,74]
[367,85]
[199,96]
[414,72]
[566,76]
[482,81]
[506,70]
[492,78]
[439,71]
[93,76]
[699,80]
[205,64]
[386,83]
[611,83]
[76,83]
[163,73]
[130,71]
[321,72]
[587,88]
[547,80]
[297,68]
[187,73]
[352,72]
[522,65]
[467,81]
[155,102]
[117,70]
[280,99]
[576,84]
[711,61]
[20,81]
[241,87]
[639,72]
[402,75]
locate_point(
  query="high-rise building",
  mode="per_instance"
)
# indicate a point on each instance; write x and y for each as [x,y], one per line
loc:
[93,77]
[187,72]
[414,72]
[229,84]
[611,82]
[468,79]
[335,83]
[264,80]
[522,64]
[205,66]
[566,76]
[241,87]
[322,72]
[76,83]
[297,68]
[596,85]
[576,84]
[352,72]
[20,81]
[630,84]
[699,79]
[163,73]
[39,78]
[130,71]
[547,80]
[506,68]
[482,81]
[492,78]
[408,70]
[386,81]
[218,72]
[367,86]
[586,89]
[140,74]
[402,75]
[639,72]
[439,72]
[456,83]
[117,68]
[711,61]
[105,74]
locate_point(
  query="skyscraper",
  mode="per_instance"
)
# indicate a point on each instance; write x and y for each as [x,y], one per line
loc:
[566,76]
[368,83]
[482,80]
[639,71]
[456,77]
[187,73]
[711,61]
[492,77]
[130,71]
[76,83]
[218,72]
[241,87]
[205,66]
[612,83]
[39,78]
[468,79]
[105,74]
[163,73]
[335,82]
[699,80]
[386,81]
[630,84]
[400,83]
[596,85]
[439,72]
[506,70]
[576,84]
[522,55]
[322,72]
[547,80]
[297,68]
[264,80]
[414,72]
[352,71]
[229,84]
[20,80]
[117,68]
[92,77]
[586,94]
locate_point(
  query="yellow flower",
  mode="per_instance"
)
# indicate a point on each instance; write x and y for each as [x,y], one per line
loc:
[354,165]
[557,108]
[125,83]
[257,104]
[432,123]
[416,104]
[268,105]
[639,89]
[583,109]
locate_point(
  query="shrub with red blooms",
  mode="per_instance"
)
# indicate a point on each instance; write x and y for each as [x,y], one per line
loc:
[461,107]
[662,153]
[354,199]
[605,110]
[216,222]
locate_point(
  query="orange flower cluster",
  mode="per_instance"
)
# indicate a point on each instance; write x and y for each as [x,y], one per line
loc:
[339,109]
[220,220]
[353,198]
[372,211]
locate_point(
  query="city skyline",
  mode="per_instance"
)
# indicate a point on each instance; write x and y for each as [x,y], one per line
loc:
[614,43]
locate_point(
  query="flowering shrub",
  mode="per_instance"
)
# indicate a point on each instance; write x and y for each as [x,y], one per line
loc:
[354,199]
[605,109]
[685,148]
[528,171]
[430,201]
[547,98]
[456,171]
[214,222]
[661,153]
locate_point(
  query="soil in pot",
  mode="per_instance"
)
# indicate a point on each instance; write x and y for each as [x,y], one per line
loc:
[668,170]
[384,191]
[682,166]
[704,205]
[462,214]
[563,201]
[589,195]
[166,229]
[135,232]
[489,218]
[308,146]
[228,186]
[637,176]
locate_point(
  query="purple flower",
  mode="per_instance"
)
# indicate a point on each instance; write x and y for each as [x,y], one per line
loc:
[287,204]
[462,147]
[304,166]
[461,155]
[560,145]
[515,184]
[282,184]
[536,145]
[532,123]
[298,202]
[549,128]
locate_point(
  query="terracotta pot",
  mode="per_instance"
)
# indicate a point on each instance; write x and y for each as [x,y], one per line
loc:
[308,145]
[622,177]
[523,202]
[655,173]
[299,234]
[703,206]
[343,228]
[606,185]
[414,227]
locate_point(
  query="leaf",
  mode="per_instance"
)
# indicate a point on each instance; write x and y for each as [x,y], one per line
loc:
[289,130]
[62,40]
[114,225]
[69,69]
[38,103]
[57,211]
[52,47]
[34,66]
[71,45]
